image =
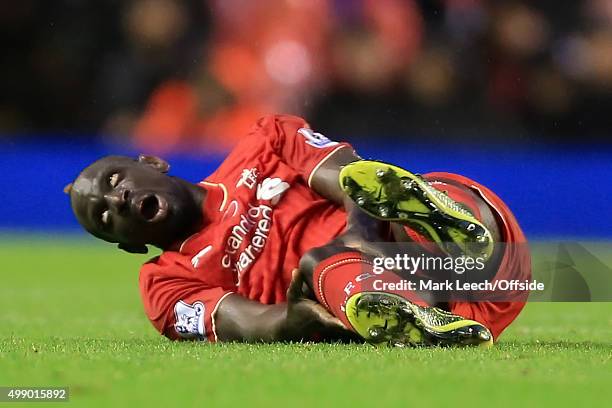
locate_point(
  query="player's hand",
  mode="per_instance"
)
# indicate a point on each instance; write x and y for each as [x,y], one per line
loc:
[308,319]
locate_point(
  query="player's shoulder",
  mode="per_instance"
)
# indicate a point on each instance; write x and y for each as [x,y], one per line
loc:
[274,125]
[259,142]
[277,119]
[167,264]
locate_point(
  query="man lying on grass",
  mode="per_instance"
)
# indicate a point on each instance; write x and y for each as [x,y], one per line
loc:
[287,199]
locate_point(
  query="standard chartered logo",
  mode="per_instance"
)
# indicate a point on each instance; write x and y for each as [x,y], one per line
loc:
[257,220]
[249,236]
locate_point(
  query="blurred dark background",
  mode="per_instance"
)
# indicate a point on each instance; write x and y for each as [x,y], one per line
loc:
[515,94]
[170,73]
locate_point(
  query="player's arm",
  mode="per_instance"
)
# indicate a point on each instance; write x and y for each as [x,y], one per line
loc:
[363,228]
[324,179]
[241,319]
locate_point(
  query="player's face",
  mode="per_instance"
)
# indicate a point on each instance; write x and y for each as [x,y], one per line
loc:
[132,202]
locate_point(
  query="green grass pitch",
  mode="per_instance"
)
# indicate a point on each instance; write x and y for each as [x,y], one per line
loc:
[70,315]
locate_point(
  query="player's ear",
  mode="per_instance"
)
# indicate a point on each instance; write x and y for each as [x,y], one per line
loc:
[157,163]
[134,249]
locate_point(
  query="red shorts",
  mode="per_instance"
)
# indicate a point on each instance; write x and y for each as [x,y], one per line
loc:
[516,260]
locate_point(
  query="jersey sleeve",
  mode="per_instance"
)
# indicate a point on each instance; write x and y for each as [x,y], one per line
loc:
[296,144]
[179,308]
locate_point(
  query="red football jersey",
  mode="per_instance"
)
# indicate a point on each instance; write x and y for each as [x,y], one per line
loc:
[261,216]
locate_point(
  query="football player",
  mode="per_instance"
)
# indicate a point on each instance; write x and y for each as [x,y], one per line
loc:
[232,243]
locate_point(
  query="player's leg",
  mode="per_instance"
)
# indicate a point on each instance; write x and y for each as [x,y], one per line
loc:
[342,279]
[392,194]
[514,264]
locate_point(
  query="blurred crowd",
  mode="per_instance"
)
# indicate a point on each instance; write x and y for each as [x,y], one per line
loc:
[197,73]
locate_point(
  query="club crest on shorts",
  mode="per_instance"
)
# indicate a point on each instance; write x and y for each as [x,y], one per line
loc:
[190,320]
[315,139]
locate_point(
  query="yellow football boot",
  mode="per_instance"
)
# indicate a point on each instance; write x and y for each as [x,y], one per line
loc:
[390,193]
[387,319]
